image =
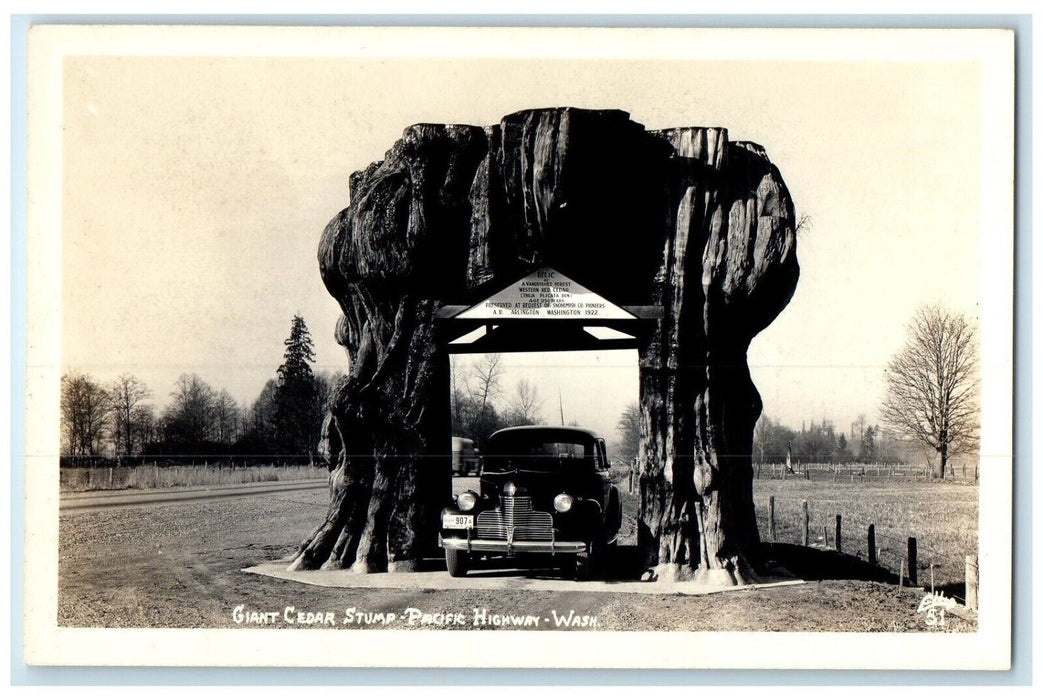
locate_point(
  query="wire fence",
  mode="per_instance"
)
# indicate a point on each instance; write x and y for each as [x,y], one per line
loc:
[937,564]
[190,460]
[862,473]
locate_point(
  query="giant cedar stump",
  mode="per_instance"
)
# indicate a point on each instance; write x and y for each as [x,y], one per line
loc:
[682,218]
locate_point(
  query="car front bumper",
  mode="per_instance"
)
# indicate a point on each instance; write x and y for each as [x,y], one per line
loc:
[511,548]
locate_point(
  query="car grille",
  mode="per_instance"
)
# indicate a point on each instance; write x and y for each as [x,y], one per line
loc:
[516,512]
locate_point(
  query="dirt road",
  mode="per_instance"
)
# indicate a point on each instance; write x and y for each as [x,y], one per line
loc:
[180,565]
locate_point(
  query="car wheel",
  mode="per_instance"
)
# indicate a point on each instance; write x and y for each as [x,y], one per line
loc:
[615,521]
[605,557]
[456,561]
[575,568]
[583,567]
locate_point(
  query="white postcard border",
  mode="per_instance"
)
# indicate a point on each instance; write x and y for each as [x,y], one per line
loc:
[45,643]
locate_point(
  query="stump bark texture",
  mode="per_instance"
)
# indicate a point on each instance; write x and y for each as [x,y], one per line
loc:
[681,218]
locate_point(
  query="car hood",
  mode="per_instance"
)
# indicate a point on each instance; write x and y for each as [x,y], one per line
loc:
[540,483]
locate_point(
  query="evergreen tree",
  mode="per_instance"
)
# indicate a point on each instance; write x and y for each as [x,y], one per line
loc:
[868,450]
[298,415]
[842,454]
[299,354]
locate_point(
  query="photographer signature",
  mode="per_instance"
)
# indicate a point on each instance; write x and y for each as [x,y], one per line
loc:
[934,607]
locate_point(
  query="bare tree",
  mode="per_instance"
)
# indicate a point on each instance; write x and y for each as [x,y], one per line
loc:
[189,419]
[932,385]
[456,395]
[226,418]
[143,426]
[525,404]
[244,421]
[84,410]
[262,416]
[483,387]
[127,395]
[858,431]
[484,384]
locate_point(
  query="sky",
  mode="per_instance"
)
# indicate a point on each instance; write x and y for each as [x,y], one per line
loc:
[195,190]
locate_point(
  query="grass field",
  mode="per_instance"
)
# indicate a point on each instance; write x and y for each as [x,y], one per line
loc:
[942,516]
[78,479]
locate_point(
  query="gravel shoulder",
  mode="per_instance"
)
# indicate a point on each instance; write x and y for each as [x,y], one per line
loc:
[180,565]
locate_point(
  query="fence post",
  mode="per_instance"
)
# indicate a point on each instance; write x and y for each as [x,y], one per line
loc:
[771,518]
[871,545]
[837,538]
[110,478]
[901,572]
[912,561]
[804,522]
[971,574]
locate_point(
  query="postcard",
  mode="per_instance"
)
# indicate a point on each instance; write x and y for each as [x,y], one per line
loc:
[438,347]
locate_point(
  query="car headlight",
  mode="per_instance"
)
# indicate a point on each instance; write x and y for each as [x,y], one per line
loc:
[509,489]
[467,500]
[563,503]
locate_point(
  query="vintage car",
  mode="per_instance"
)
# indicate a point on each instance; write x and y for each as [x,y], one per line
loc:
[543,491]
[465,456]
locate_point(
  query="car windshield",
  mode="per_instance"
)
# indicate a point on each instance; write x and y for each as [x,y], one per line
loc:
[538,454]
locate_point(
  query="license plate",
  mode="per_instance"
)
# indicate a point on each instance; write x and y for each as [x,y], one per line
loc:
[457,522]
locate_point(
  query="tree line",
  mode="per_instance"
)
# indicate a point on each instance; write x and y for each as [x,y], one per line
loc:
[931,401]
[774,442]
[117,420]
[930,404]
[821,442]
[812,443]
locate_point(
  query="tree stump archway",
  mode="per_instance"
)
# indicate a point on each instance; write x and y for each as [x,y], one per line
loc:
[682,220]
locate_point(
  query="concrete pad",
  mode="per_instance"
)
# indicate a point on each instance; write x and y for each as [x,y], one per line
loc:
[498,579]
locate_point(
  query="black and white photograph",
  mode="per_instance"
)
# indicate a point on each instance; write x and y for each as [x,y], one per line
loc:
[435,347]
